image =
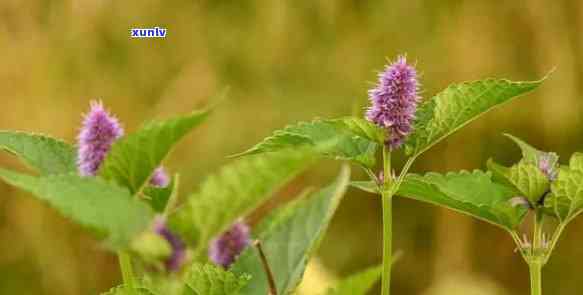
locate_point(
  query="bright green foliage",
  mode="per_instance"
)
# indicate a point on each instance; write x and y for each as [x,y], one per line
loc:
[103,207]
[357,284]
[235,191]
[290,242]
[122,290]
[45,154]
[566,198]
[526,178]
[362,128]
[458,105]
[158,197]
[213,280]
[576,162]
[133,158]
[473,193]
[531,155]
[344,139]
[367,186]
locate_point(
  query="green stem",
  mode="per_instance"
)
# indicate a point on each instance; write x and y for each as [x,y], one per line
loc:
[554,240]
[535,268]
[387,200]
[127,272]
[537,255]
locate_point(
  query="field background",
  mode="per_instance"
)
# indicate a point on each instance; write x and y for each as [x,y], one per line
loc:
[286,61]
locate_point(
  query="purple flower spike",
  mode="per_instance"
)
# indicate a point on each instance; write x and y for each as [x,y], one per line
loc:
[99,131]
[394,101]
[160,178]
[178,256]
[224,249]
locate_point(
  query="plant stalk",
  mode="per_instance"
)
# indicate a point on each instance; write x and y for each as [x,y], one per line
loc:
[127,272]
[387,200]
[535,268]
[537,255]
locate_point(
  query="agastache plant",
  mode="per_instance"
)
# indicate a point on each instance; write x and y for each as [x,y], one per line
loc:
[397,119]
[537,187]
[116,186]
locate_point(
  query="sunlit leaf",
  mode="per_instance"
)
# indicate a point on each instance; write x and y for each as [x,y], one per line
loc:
[291,240]
[473,193]
[133,158]
[236,190]
[89,201]
[457,105]
[348,138]
[213,280]
[44,154]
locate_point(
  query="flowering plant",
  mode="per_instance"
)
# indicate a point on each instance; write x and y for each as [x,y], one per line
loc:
[116,185]
[397,118]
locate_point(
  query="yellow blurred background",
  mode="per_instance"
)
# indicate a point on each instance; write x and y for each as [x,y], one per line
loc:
[286,61]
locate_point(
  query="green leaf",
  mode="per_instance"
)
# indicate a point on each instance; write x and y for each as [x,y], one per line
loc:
[123,290]
[458,105]
[367,186]
[234,192]
[343,139]
[291,241]
[473,193]
[566,198]
[103,207]
[529,154]
[526,178]
[576,162]
[158,197]
[213,280]
[357,284]
[45,154]
[133,158]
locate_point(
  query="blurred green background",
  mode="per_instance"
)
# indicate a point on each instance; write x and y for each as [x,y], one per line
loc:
[286,61]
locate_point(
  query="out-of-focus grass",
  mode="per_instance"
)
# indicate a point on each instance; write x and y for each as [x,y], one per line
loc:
[287,61]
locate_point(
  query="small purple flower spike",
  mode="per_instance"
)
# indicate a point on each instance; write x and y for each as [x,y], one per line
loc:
[547,166]
[178,256]
[224,249]
[394,101]
[100,130]
[160,178]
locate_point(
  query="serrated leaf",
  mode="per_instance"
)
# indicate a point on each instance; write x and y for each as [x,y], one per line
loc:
[566,197]
[362,128]
[133,158]
[529,154]
[213,280]
[458,105]
[344,139]
[233,192]
[357,284]
[525,177]
[45,154]
[123,290]
[89,201]
[576,162]
[292,240]
[473,193]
